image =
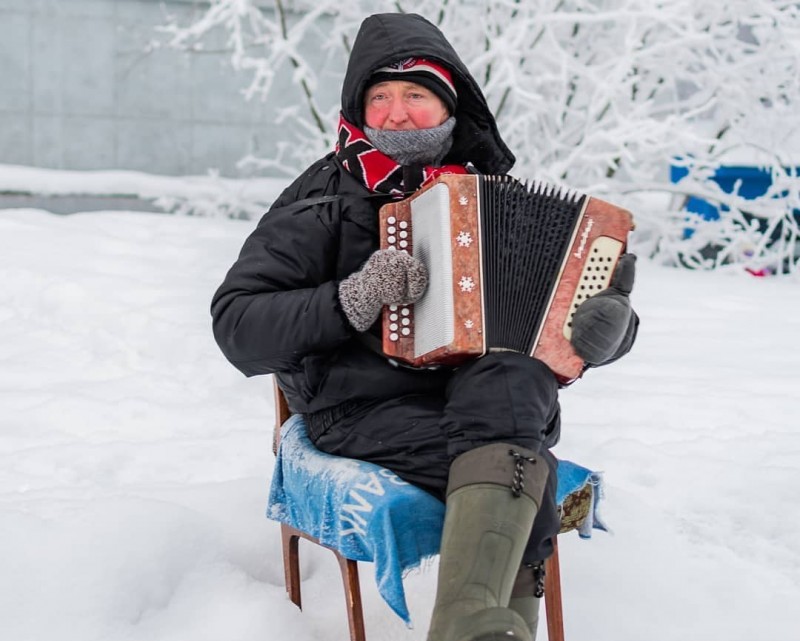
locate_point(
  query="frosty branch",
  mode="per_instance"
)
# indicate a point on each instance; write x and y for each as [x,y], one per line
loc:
[600,95]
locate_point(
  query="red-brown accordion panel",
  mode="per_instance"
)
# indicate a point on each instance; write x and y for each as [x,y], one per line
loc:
[581,265]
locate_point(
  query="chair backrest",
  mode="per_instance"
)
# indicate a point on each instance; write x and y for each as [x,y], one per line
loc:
[282,414]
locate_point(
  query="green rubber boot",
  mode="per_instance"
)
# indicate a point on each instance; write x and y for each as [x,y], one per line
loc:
[527,607]
[523,597]
[493,495]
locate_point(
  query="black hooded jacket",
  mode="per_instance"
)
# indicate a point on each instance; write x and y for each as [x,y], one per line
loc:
[277,311]
[387,38]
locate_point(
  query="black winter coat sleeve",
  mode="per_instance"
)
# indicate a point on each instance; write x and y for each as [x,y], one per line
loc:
[279,301]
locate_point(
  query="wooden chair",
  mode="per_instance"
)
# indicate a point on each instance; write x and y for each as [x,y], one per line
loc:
[290,538]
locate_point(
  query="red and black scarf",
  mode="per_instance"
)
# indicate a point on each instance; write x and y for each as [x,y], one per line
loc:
[376,170]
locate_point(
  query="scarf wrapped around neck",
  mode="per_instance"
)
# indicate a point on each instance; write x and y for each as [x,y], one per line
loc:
[377,171]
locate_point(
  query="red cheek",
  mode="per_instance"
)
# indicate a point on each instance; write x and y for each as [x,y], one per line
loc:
[374,118]
[426,119]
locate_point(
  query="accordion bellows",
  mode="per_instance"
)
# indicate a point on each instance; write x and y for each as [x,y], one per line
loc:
[508,264]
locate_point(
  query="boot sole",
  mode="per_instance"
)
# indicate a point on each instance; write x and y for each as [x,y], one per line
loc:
[491,624]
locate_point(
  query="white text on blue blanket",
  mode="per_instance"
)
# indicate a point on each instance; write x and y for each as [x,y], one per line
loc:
[352,512]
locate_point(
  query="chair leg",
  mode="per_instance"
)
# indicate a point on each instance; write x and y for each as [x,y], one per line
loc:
[290,538]
[352,595]
[552,596]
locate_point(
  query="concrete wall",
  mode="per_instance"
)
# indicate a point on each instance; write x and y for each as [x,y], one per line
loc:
[78,90]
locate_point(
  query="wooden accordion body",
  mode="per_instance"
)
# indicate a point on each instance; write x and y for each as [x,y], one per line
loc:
[508,264]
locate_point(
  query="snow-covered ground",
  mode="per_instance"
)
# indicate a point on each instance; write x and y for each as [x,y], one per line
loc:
[59,182]
[135,461]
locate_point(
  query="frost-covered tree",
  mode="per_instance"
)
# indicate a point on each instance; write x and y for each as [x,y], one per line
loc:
[599,95]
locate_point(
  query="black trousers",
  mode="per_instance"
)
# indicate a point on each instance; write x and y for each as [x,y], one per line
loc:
[502,397]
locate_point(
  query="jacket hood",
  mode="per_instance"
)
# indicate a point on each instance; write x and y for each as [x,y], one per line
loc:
[388,37]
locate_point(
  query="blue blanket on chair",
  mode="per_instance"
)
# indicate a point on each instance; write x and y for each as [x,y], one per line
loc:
[368,513]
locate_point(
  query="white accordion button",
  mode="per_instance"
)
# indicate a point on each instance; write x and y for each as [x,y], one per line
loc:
[392,308]
[405,331]
[403,224]
[393,327]
[403,234]
[406,321]
[393,317]
[392,240]
[391,220]
[393,337]
[392,229]
[403,244]
[405,311]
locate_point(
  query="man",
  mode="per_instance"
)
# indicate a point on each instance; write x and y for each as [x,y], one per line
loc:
[308,288]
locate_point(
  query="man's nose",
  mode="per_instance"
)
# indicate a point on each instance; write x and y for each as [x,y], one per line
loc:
[397,112]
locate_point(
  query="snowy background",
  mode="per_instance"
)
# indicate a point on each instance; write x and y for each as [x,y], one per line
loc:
[135,461]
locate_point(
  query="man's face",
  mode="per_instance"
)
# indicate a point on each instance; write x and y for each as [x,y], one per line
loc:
[399,105]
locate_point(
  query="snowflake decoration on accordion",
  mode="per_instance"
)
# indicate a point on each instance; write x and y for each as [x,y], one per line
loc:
[469,324]
[467,284]
[463,201]
[464,239]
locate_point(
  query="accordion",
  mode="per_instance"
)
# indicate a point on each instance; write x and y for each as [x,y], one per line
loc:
[508,264]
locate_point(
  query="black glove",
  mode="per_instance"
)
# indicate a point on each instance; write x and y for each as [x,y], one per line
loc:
[389,277]
[602,323]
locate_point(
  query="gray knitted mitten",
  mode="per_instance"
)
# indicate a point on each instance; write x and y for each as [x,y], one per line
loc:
[389,277]
[601,323]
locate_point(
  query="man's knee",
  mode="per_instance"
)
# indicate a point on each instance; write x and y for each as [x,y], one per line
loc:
[503,396]
[505,373]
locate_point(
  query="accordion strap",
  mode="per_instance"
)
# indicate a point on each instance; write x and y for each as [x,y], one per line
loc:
[299,205]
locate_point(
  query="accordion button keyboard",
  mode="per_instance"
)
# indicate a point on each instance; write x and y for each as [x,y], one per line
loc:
[595,275]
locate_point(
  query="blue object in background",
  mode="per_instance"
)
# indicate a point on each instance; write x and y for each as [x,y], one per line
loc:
[752,183]
[755,182]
